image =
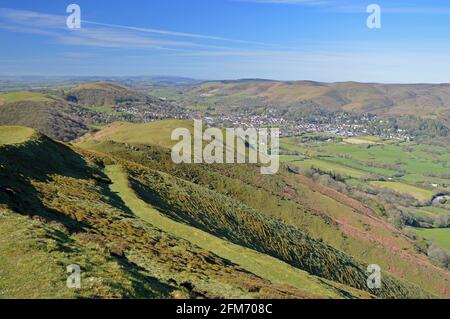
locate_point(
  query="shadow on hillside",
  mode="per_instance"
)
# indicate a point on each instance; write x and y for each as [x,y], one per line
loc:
[143,286]
[153,198]
[40,161]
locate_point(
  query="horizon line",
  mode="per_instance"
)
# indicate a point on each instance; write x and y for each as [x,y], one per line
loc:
[219,80]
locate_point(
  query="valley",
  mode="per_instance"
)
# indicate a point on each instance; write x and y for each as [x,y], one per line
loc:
[225,158]
[87,177]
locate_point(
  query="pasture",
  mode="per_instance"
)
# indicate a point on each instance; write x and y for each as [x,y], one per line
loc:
[440,236]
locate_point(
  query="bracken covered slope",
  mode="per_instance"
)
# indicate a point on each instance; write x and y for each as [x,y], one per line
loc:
[322,214]
[58,207]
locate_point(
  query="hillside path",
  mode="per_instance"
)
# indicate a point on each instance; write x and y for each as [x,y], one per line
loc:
[259,264]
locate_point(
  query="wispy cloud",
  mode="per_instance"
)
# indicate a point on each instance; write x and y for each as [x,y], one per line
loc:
[417,10]
[108,35]
[174,33]
[352,6]
[215,56]
[304,2]
[296,2]
[55,26]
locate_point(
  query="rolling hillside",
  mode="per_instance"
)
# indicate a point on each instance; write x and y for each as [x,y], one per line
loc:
[67,114]
[321,213]
[62,210]
[103,213]
[102,94]
[114,99]
[424,100]
[46,113]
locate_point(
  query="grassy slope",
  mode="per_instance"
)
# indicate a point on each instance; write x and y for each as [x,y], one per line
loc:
[158,133]
[262,265]
[27,268]
[328,220]
[347,225]
[14,134]
[23,96]
[77,219]
[35,255]
[223,217]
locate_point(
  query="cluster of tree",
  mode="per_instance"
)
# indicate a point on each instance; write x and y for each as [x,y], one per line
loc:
[421,127]
[439,256]
[411,218]
[396,208]
[329,179]
[389,196]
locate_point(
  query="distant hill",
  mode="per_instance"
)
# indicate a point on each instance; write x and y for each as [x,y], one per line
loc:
[101,94]
[108,97]
[68,113]
[49,114]
[423,100]
[21,83]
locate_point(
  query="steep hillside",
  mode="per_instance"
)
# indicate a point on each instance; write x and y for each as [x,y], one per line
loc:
[140,226]
[46,113]
[319,212]
[58,207]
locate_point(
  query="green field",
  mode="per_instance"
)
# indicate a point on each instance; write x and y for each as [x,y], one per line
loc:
[413,158]
[289,158]
[418,170]
[435,210]
[420,194]
[439,235]
[23,96]
[328,166]
[412,163]
[362,140]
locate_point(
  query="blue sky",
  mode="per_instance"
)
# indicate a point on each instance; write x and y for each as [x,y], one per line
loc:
[322,40]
